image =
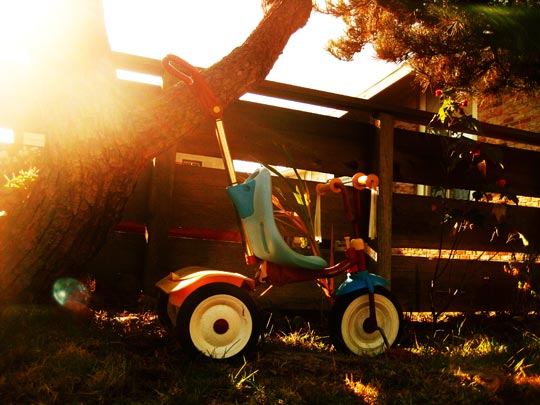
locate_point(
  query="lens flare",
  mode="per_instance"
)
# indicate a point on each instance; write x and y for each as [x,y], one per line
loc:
[71,293]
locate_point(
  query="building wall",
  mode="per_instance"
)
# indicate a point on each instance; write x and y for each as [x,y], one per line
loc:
[521,111]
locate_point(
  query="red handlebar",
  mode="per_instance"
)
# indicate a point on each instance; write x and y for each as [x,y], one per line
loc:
[192,77]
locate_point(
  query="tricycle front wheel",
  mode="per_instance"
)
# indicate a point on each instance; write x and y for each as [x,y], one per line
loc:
[352,328]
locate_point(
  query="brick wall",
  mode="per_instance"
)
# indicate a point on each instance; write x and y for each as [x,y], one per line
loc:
[404,188]
[516,111]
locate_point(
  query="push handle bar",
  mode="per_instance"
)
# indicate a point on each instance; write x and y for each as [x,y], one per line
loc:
[191,76]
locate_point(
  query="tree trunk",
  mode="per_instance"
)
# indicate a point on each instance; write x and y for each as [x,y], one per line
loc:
[97,143]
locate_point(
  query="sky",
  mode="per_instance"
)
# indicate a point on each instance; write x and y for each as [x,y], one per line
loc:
[204,31]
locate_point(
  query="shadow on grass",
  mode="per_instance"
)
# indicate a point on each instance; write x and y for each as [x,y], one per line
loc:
[49,356]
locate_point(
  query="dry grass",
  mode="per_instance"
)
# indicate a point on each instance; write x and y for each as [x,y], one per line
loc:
[49,356]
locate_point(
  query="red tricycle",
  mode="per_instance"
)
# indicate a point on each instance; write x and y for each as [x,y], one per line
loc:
[215,312]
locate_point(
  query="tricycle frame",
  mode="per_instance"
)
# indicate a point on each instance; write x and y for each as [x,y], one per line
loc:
[214,312]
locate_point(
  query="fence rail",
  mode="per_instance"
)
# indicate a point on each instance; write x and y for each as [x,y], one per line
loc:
[198,208]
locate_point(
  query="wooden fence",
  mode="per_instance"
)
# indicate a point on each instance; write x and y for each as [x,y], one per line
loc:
[192,223]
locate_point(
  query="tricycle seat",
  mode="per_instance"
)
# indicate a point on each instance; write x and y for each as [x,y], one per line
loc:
[253,201]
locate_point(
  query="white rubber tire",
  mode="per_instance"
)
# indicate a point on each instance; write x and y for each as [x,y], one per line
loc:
[350,313]
[218,320]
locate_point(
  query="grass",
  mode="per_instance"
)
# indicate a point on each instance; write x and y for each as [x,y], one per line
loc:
[49,356]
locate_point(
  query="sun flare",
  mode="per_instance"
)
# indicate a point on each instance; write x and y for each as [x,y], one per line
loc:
[21,25]
[7,135]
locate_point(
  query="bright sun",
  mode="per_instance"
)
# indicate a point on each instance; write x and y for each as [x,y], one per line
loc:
[13,32]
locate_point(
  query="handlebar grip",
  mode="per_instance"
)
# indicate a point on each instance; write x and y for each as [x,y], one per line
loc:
[335,186]
[191,76]
[361,181]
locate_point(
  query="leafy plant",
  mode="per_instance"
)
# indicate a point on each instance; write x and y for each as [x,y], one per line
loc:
[19,171]
[299,220]
[524,268]
[23,179]
[463,156]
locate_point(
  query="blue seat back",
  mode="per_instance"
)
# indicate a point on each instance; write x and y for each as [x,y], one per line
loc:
[253,201]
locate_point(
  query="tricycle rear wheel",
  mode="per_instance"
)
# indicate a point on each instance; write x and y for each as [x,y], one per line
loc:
[219,320]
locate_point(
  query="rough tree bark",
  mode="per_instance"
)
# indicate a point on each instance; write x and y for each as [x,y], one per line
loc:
[97,141]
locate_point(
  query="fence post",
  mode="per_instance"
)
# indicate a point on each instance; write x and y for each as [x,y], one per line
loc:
[385,158]
[160,207]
